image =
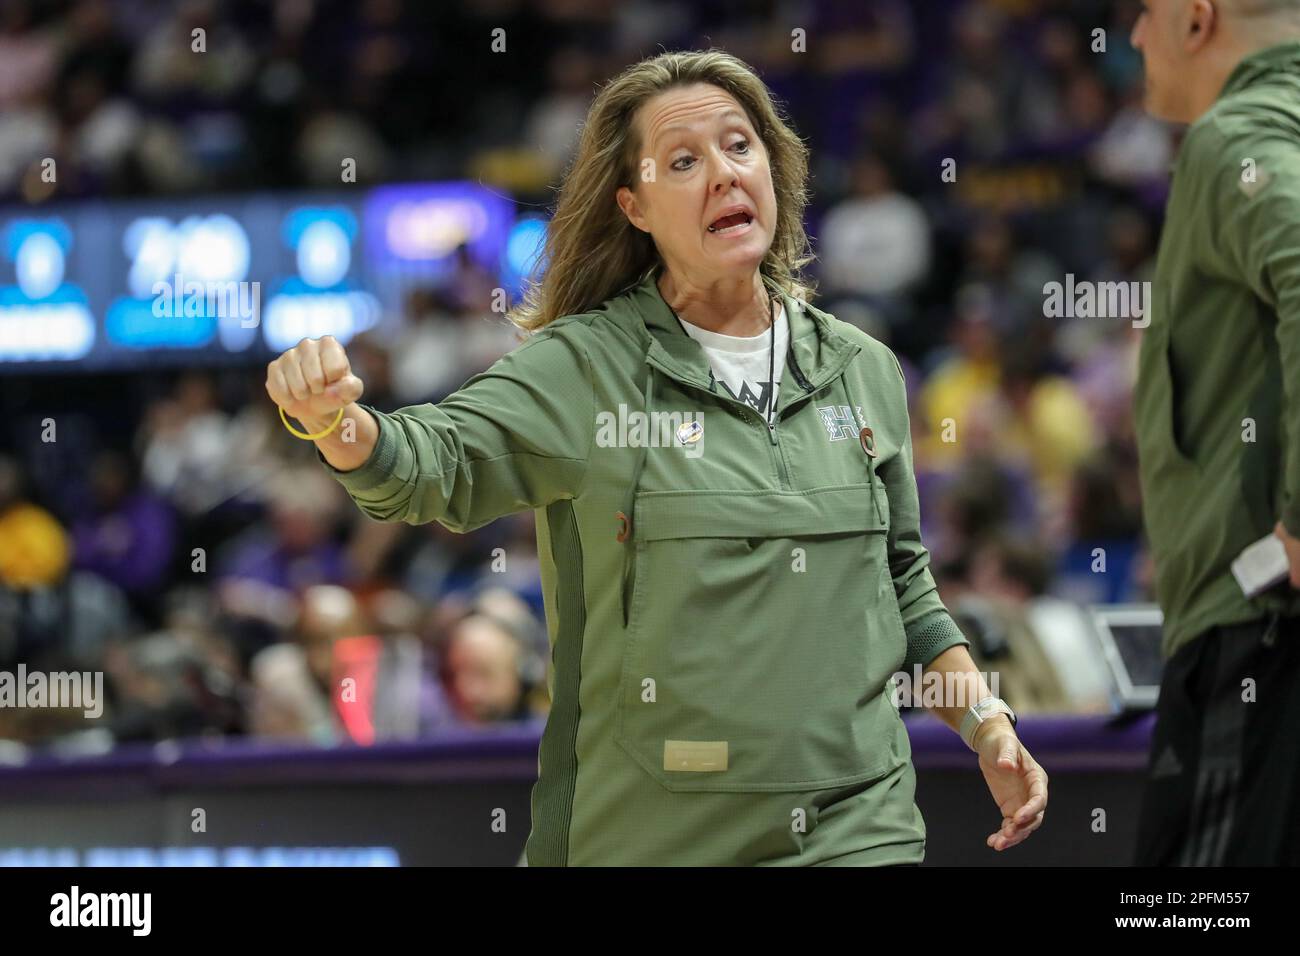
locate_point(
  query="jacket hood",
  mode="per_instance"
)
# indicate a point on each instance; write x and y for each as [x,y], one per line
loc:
[1282,58]
[817,351]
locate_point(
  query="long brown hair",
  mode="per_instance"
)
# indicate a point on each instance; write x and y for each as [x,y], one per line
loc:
[593,252]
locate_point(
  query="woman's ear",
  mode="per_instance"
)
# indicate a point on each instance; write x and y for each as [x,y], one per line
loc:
[631,208]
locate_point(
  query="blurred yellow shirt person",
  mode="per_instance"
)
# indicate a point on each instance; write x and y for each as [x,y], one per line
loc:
[34,549]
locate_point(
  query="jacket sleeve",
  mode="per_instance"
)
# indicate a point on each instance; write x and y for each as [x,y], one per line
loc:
[1255,187]
[930,628]
[515,437]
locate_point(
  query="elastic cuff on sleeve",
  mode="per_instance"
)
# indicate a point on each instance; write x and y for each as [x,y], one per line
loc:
[378,468]
[931,636]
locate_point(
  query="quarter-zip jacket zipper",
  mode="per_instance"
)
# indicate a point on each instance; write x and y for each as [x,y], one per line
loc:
[807,387]
[777,454]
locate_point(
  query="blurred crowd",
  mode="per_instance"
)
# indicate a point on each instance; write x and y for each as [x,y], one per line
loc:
[965,154]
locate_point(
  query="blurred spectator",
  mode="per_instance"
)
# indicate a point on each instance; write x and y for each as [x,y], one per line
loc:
[287,703]
[489,668]
[185,446]
[981,497]
[963,376]
[294,548]
[1010,275]
[425,358]
[1099,565]
[174,62]
[330,137]
[555,120]
[97,131]
[1043,418]
[1135,149]
[877,241]
[47,612]
[29,55]
[298,688]
[128,534]
[452,334]
[34,550]
[163,692]
[990,605]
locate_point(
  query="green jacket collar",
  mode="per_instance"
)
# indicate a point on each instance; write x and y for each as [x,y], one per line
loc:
[817,352]
[1284,57]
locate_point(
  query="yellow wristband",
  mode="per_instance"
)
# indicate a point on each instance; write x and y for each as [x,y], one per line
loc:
[303,435]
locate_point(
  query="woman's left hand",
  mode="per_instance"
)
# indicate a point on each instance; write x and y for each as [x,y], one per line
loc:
[1017,782]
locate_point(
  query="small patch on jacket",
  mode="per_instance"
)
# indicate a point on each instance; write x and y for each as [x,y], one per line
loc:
[702,756]
[690,432]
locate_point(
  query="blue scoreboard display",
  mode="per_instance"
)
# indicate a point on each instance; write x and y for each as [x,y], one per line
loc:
[231,278]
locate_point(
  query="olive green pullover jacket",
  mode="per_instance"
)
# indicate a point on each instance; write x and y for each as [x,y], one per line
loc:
[726,603]
[1218,392]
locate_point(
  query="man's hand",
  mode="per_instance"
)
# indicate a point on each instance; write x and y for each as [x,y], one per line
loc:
[312,381]
[1016,781]
[1292,552]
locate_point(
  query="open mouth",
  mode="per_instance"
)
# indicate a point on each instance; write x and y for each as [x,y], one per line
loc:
[732,223]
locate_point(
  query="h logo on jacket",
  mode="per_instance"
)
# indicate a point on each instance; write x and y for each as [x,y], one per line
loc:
[839,422]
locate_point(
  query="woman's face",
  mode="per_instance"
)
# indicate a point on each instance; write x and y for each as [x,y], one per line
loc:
[700,161]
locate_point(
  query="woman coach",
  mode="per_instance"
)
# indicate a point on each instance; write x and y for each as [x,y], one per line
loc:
[730,582]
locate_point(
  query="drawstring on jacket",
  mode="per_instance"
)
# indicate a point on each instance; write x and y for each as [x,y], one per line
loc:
[640,458]
[867,439]
[626,518]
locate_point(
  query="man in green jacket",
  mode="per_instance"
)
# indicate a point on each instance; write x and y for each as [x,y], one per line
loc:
[1218,427]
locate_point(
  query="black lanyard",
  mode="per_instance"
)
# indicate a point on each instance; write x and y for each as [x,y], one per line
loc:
[771,361]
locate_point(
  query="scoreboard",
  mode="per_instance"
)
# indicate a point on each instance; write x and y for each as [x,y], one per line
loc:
[235,278]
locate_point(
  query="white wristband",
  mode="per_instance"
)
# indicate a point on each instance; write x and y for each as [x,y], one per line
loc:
[981,711]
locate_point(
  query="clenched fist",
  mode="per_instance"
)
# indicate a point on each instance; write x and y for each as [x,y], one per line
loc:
[312,381]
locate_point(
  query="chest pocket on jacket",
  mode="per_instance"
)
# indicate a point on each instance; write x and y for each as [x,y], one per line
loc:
[762,632]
